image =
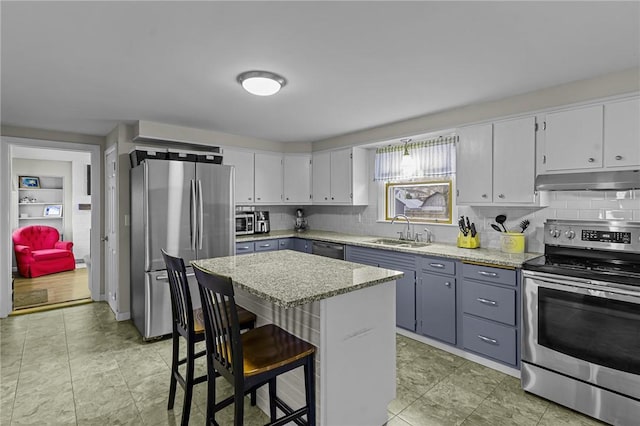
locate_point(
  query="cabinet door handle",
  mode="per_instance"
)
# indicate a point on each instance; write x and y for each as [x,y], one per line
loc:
[487,274]
[618,157]
[436,265]
[487,301]
[265,245]
[484,195]
[501,196]
[488,340]
[591,159]
[448,284]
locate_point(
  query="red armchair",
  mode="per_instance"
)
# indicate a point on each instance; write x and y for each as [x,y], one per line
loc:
[38,251]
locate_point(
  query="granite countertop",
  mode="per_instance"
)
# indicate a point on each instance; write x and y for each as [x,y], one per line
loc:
[288,278]
[478,255]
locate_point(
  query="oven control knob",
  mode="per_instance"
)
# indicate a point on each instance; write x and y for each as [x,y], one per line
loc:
[570,235]
[555,233]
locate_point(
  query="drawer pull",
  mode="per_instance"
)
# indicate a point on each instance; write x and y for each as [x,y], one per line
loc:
[487,301]
[487,274]
[436,265]
[488,340]
[243,248]
[265,245]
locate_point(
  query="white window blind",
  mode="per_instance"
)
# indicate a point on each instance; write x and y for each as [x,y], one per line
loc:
[429,159]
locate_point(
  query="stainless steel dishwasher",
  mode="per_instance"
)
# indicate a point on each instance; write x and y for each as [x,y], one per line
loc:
[335,251]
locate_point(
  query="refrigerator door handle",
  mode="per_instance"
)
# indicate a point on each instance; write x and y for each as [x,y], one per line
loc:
[192,223]
[201,223]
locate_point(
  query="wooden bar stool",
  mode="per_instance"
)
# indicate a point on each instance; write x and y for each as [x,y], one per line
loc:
[252,359]
[189,324]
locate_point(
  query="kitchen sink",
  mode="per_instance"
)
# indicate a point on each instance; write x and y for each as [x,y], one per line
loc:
[397,243]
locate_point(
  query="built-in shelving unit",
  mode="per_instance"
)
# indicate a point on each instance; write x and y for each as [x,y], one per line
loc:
[34,203]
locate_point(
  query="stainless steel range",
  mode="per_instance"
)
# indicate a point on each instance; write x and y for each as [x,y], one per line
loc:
[581,319]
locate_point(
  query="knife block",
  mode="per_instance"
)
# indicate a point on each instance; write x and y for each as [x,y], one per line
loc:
[468,241]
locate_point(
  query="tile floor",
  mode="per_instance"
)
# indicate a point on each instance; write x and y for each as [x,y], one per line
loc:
[78,366]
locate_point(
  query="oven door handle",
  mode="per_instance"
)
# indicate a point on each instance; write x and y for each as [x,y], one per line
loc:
[586,287]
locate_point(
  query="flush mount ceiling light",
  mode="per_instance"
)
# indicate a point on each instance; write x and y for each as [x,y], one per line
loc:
[261,83]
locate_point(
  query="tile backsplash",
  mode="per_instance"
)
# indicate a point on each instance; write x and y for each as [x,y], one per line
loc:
[585,205]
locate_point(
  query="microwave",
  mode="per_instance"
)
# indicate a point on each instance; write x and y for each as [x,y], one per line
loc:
[245,223]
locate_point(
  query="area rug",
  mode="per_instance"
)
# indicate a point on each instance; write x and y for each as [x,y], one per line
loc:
[30,298]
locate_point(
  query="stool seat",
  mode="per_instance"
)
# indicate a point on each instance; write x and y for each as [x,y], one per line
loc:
[245,318]
[269,347]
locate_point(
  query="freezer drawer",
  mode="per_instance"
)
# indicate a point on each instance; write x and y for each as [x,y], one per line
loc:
[157,303]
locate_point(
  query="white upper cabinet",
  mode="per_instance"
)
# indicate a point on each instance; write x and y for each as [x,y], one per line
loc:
[514,151]
[622,133]
[496,163]
[573,139]
[474,154]
[321,182]
[340,177]
[268,178]
[297,178]
[243,163]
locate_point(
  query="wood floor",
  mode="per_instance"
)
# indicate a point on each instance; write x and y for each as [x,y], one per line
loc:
[60,288]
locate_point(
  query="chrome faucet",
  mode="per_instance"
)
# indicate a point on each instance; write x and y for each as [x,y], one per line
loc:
[402,237]
[428,235]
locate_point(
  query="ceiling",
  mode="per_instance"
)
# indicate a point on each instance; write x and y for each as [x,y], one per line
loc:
[85,66]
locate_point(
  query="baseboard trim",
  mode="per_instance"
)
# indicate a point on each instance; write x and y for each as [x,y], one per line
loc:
[123,316]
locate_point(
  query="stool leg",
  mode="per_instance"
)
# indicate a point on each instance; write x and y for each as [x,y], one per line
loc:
[174,369]
[272,399]
[238,400]
[310,389]
[211,393]
[188,389]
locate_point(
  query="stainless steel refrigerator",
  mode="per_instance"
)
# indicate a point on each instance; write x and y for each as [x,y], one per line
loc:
[186,208]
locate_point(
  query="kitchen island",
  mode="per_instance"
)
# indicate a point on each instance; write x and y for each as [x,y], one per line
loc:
[347,310]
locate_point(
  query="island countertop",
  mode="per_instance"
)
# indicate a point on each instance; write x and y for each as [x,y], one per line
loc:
[288,278]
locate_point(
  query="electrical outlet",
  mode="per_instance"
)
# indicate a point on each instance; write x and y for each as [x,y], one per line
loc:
[359,217]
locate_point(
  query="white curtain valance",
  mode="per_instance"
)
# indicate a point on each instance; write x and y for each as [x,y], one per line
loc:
[429,159]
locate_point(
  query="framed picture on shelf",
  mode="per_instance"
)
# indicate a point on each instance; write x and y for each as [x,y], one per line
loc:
[29,182]
[53,210]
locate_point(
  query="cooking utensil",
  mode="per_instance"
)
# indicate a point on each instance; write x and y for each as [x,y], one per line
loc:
[524,225]
[461,226]
[496,227]
[501,219]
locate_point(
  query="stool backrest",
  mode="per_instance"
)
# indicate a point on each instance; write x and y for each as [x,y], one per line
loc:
[181,306]
[221,325]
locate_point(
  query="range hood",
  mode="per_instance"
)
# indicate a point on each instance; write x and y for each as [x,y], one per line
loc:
[619,180]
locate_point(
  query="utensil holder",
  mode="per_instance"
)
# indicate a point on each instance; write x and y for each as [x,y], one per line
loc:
[468,241]
[512,242]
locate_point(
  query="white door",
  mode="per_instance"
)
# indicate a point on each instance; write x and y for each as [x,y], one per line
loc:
[268,178]
[573,139]
[297,178]
[243,162]
[111,229]
[514,157]
[622,133]
[475,164]
[341,188]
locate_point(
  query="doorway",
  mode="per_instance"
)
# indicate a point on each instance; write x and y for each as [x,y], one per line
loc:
[83,281]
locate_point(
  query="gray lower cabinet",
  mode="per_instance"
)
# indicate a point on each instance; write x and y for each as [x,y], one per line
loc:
[245,247]
[285,244]
[437,299]
[405,286]
[266,245]
[490,320]
[302,245]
